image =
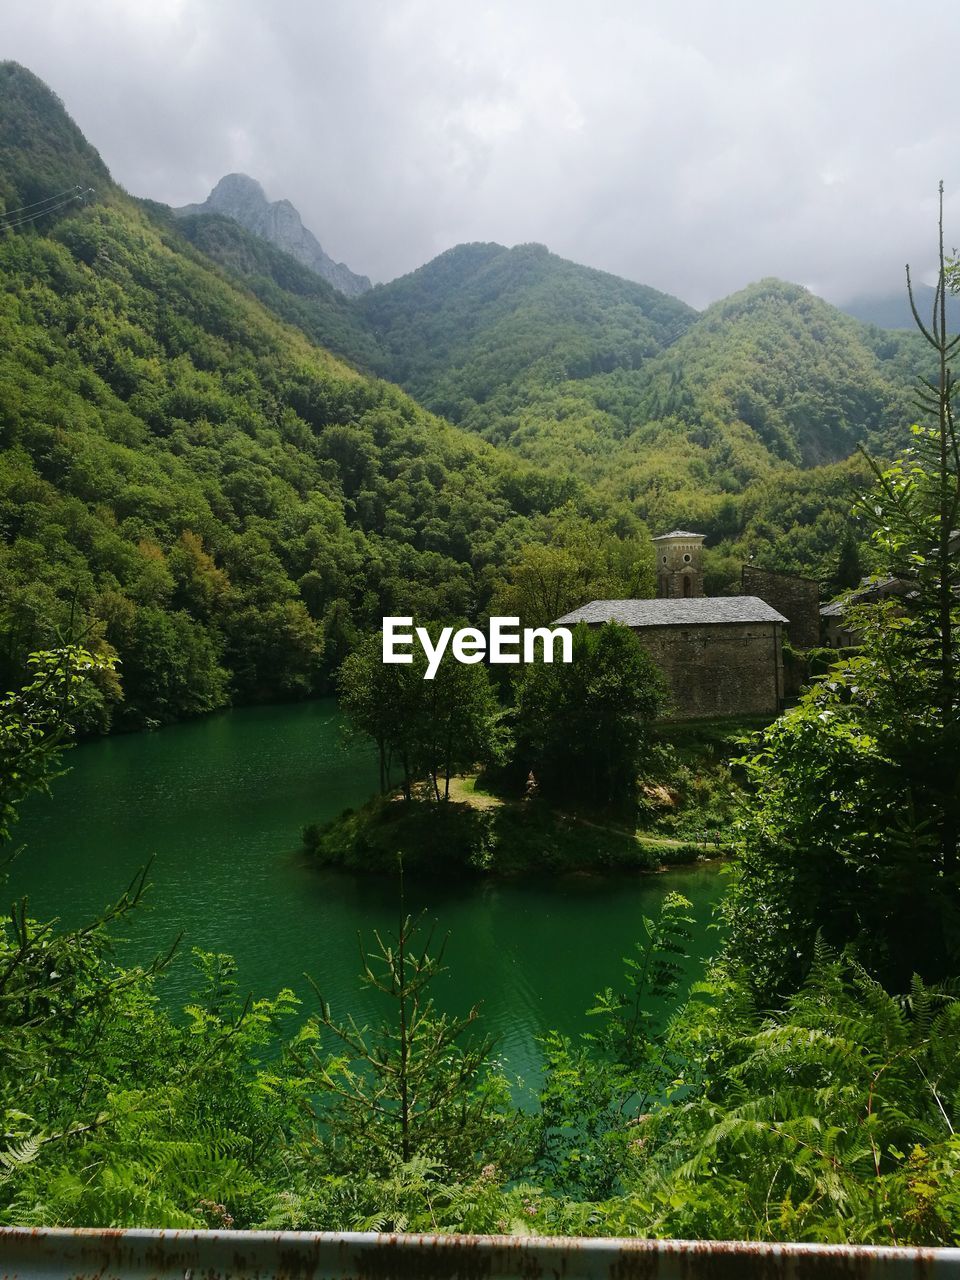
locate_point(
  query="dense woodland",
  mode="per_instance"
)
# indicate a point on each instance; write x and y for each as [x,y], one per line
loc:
[739,422]
[189,482]
[192,486]
[806,1088]
[199,504]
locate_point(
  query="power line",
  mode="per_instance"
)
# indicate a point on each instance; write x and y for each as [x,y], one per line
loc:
[32,217]
[11,213]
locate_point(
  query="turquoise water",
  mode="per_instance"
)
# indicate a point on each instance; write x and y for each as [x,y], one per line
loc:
[219,804]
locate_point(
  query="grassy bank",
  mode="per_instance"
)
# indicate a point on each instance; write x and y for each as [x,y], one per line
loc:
[482,835]
[691,786]
[686,805]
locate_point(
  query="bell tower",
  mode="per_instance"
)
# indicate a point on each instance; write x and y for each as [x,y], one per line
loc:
[678,562]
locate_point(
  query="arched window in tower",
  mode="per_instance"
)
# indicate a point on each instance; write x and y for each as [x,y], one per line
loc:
[679,564]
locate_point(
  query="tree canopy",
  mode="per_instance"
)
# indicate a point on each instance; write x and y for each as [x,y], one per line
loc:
[582,726]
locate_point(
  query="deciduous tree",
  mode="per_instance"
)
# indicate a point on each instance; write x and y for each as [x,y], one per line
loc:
[582,726]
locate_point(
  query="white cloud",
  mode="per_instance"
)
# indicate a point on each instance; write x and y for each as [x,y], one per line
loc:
[693,146]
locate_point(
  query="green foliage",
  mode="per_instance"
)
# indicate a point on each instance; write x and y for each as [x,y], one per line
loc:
[118,1117]
[596,1093]
[858,794]
[471,331]
[582,727]
[291,290]
[37,721]
[777,363]
[828,1116]
[112,1114]
[577,560]
[204,490]
[689,785]
[830,1119]
[414,1086]
[431,728]
[837,831]
[42,152]
[849,564]
[462,840]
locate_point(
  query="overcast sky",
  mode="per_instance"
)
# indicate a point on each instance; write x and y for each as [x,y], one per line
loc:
[691,146]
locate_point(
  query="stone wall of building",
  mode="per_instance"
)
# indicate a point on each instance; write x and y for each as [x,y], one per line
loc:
[720,669]
[798,599]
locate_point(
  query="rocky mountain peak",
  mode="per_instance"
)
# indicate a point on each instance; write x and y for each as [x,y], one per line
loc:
[234,188]
[242,198]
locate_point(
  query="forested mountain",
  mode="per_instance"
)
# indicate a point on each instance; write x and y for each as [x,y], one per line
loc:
[43,155]
[185,474]
[291,290]
[686,417]
[738,420]
[472,332]
[804,380]
[193,484]
[773,367]
[509,342]
[761,399]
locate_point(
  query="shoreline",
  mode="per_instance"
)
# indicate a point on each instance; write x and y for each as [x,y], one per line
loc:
[487,837]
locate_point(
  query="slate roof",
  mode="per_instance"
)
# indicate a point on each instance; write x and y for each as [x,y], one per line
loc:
[678,533]
[674,613]
[869,591]
[835,609]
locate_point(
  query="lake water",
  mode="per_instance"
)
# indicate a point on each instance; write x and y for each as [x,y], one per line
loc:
[219,804]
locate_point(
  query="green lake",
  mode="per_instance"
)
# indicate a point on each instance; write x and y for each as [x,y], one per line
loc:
[219,804]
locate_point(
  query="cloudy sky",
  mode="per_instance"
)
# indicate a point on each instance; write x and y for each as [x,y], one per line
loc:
[691,146]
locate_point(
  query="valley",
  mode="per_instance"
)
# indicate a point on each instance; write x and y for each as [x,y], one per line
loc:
[702,880]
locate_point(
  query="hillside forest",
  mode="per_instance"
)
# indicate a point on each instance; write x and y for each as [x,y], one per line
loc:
[217,475]
[193,484]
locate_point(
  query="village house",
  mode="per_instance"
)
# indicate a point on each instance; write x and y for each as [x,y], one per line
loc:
[838,631]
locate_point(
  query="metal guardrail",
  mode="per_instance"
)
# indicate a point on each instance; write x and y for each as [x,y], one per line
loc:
[85,1254]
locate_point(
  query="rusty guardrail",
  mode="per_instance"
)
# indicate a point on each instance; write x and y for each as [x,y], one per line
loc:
[55,1254]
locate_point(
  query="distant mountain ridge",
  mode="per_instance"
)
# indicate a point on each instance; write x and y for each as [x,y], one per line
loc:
[574,367]
[242,198]
[892,310]
[557,359]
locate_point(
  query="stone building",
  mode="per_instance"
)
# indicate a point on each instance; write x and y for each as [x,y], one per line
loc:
[720,656]
[797,598]
[838,631]
[901,591]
